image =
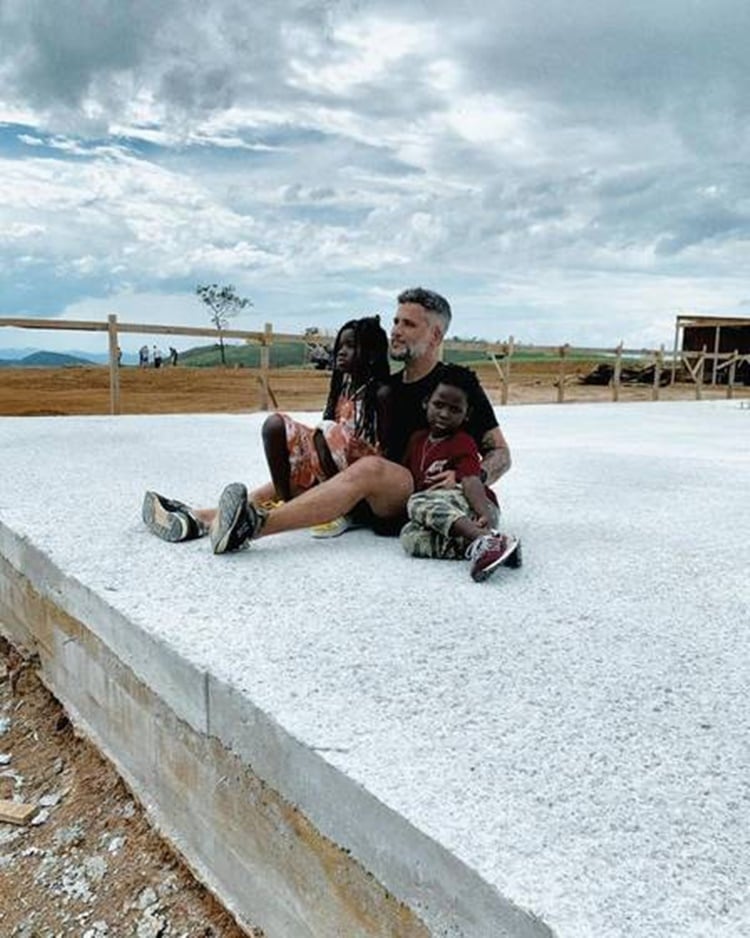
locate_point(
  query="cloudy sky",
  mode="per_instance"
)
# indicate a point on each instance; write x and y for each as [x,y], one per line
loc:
[563,170]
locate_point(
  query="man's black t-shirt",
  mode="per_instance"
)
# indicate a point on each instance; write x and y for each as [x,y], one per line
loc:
[408,412]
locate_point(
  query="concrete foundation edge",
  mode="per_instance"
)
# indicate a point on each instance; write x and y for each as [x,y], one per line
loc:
[285,840]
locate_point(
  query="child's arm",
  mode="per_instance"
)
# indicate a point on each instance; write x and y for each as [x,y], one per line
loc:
[473,489]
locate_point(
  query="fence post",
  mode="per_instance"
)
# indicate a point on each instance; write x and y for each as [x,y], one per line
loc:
[673,379]
[616,373]
[114,365]
[717,346]
[506,371]
[699,375]
[730,377]
[265,361]
[561,375]
[658,363]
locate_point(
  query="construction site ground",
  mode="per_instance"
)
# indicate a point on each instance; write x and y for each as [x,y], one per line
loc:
[88,864]
[181,390]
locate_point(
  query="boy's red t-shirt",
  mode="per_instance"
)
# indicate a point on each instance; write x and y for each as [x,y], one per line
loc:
[458,452]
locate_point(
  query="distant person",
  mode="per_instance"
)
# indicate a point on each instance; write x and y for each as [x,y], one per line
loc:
[379,487]
[143,356]
[158,357]
[321,356]
[119,357]
[453,523]
[172,356]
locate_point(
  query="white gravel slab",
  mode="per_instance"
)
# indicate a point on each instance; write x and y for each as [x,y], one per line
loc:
[575,731]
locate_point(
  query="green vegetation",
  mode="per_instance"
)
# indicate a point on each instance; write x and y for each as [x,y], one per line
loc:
[223,304]
[283,355]
[294,355]
[466,357]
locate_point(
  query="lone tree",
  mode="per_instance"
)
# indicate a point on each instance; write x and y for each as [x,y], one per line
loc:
[224,304]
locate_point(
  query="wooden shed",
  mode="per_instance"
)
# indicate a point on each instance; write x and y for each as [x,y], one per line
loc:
[718,335]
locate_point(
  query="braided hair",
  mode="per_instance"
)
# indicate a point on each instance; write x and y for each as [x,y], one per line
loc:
[370,369]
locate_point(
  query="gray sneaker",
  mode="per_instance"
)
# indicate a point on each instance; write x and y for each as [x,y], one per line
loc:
[171,520]
[237,520]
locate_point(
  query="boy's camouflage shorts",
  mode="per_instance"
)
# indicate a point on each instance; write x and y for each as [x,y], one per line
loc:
[431,516]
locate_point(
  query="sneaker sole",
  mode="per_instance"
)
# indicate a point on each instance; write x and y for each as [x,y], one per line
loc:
[230,505]
[167,525]
[331,532]
[514,560]
[481,575]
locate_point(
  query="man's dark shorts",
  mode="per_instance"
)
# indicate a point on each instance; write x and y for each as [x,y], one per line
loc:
[363,515]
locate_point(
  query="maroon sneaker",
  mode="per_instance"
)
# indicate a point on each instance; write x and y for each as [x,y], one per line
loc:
[491,551]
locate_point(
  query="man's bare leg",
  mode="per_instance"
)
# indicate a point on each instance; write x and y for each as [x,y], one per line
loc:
[206,515]
[385,485]
[264,493]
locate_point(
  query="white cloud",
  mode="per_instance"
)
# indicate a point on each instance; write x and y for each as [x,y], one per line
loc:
[584,162]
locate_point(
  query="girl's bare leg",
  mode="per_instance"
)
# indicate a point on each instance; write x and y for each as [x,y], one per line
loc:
[277,455]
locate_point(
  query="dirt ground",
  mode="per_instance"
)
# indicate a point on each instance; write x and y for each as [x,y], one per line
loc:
[84,390]
[88,865]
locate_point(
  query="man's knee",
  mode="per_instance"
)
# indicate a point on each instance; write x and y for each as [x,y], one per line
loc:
[383,484]
[368,467]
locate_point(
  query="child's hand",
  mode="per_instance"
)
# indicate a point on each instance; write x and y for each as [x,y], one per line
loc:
[442,479]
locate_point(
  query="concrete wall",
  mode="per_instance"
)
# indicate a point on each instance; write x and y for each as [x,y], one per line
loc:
[233,792]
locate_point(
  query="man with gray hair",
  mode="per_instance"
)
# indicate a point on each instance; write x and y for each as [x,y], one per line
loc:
[374,488]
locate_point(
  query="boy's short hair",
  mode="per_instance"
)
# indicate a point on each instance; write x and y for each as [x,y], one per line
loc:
[433,302]
[457,376]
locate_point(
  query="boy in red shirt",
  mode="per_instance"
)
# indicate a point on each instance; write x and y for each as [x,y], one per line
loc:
[453,523]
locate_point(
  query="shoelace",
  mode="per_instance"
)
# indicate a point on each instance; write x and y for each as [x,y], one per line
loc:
[270,504]
[478,546]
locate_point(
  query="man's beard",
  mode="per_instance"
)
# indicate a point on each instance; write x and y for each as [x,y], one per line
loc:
[407,353]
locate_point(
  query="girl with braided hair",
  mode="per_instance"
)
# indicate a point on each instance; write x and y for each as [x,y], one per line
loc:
[354,420]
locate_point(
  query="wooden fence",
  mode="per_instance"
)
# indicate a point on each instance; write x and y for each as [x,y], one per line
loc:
[692,364]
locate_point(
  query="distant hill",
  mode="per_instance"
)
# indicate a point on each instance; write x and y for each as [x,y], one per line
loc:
[44,360]
[11,354]
[283,355]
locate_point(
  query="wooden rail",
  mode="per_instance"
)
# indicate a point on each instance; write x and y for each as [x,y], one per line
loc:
[500,353]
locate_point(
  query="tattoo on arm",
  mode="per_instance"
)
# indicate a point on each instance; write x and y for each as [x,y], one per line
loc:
[495,455]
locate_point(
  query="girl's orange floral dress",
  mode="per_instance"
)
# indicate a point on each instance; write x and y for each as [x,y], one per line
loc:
[340,435]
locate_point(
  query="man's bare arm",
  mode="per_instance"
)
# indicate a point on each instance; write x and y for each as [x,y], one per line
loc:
[495,455]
